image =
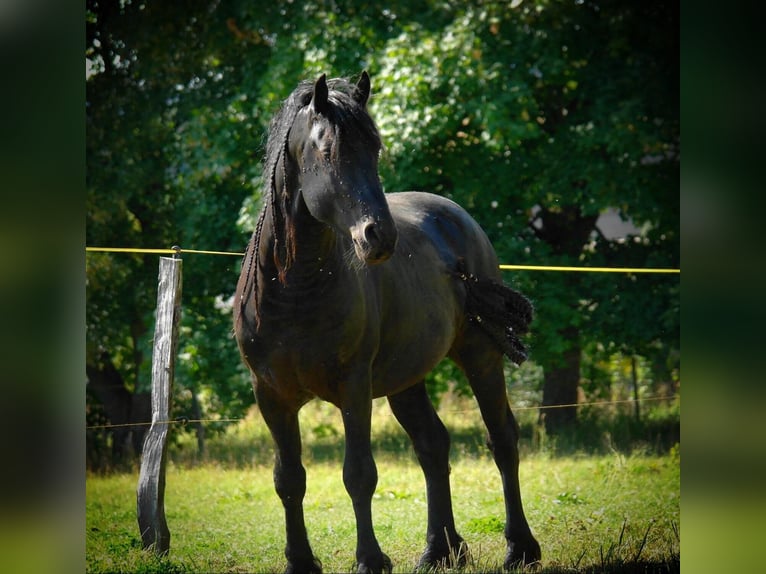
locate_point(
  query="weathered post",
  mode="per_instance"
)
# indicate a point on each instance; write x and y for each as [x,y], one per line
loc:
[634,375]
[151,481]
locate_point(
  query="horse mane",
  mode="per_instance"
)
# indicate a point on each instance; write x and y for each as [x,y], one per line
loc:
[349,120]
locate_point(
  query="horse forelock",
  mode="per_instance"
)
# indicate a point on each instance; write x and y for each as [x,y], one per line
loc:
[348,119]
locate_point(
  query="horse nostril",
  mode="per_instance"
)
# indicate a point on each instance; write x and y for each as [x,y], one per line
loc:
[371,234]
[375,243]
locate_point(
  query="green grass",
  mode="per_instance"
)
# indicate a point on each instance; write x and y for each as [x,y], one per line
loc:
[591,513]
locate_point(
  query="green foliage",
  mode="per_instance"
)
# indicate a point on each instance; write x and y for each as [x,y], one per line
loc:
[568,498]
[485,525]
[445,377]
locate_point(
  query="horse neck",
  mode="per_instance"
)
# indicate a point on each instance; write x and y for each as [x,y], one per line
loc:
[317,250]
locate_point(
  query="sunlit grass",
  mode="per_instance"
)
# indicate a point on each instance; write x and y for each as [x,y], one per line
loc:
[612,512]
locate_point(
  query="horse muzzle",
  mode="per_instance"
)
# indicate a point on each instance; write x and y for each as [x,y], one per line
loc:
[375,240]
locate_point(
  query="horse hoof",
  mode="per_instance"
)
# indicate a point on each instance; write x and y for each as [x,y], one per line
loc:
[312,567]
[522,554]
[379,565]
[434,558]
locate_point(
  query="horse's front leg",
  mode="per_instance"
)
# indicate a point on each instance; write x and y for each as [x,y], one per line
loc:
[289,478]
[360,476]
[416,414]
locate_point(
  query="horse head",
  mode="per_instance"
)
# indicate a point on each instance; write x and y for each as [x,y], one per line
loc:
[335,146]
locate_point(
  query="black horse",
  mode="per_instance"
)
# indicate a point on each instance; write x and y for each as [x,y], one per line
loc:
[348,294]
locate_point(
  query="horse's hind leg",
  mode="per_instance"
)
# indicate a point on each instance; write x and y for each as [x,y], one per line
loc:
[289,478]
[414,411]
[483,366]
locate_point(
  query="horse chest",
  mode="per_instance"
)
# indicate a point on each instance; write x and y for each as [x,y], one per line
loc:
[301,372]
[309,349]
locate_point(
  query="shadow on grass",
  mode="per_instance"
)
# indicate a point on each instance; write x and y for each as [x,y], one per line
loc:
[395,444]
[624,436]
[591,436]
[669,566]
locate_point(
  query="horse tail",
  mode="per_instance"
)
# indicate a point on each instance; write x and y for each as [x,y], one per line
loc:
[503,313]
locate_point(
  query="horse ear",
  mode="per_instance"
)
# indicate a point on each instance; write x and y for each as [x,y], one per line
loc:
[363,89]
[319,99]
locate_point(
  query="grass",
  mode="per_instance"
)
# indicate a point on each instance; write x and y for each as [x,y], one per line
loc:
[610,512]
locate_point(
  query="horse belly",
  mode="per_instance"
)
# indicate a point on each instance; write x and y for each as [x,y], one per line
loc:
[300,373]
[397,370]
[417,331]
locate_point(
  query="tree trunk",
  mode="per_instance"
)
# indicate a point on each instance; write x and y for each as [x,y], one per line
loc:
[106,384]
[566,229]
[634,375]
[560,384]
[120,407]
[197,414]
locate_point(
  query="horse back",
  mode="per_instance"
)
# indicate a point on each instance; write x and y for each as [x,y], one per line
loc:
[456,238]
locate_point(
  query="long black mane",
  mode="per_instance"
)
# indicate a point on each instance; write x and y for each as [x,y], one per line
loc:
[349,119]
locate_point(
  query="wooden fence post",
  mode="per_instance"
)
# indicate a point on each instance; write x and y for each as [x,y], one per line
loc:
[150,493]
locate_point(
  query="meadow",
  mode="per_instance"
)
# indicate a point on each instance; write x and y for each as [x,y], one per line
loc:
[605,509]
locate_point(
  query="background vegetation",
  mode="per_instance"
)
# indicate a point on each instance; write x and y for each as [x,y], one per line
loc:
[538,116]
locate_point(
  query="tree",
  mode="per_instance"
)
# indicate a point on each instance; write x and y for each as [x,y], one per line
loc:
[171,155]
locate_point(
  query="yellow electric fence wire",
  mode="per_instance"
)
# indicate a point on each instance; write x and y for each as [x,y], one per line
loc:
[591,269]
[167,251]
[502,267]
